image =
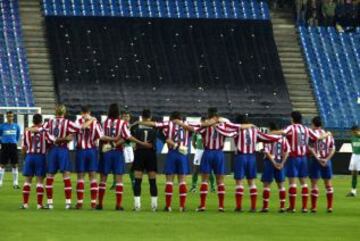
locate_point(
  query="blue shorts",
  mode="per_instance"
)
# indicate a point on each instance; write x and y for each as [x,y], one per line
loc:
[176,163]
[213,160]
[270,172]
[245,165]
[317,171]
[58,159]
[35,165]
[112,162]
[297,167]
[86,160]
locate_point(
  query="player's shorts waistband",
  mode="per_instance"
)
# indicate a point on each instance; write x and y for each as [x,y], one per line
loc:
[86,149]
[8,144]
[36,154]
[206,149]
[242,153]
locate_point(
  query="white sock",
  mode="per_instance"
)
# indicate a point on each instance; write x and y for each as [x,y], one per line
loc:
[15,173]
[2,172]
[67,201]
[137,202]
[353,191]
[50,201]
[154,202]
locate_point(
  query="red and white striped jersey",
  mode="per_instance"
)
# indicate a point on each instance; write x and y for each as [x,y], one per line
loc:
[174,132]
[86,138]
[323,147]
[214,136]
[37,143]
[298,137]
[117,127]
[278,148]
[60,128]
[246,139]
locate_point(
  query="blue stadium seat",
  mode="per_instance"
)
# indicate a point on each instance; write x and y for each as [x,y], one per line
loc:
[14,72]
[333,63]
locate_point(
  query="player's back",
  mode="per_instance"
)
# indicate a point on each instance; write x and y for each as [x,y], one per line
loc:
[298,137]
[37,142]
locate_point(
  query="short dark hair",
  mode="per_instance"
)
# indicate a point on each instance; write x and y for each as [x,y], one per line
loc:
[113,111]
[316,121]
[212,112]
[9,112]
[125,112]
[175,115]
[85,109]
[203,118]
[296,117]
[273,126]
[354,128]
[242,119]
[146,113]
[37,119]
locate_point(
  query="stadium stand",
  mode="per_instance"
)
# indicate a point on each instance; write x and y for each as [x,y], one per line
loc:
[229,9]
[333,61]
[168,64]
[15,82]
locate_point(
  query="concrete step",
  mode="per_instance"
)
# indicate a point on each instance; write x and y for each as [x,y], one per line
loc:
[291,59]
[288,49]
[29,3]
[280,26]
[282,14]
[43,88]
[39,61]
[300,93]
[37,55]
[34,44]
[276,21]
[307,111]
[298,76]
[293,66]
[45,94]
[297,99]
[296,55]
[44,84]
[45,71]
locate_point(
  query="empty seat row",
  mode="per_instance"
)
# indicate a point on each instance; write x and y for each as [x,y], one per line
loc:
[218,9]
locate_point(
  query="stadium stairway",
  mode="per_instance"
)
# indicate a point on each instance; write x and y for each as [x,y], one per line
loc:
[37,54]
[293,63]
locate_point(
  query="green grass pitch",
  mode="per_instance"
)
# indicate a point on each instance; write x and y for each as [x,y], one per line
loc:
[68,225]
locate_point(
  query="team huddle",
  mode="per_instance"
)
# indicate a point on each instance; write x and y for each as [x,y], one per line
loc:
[295,152]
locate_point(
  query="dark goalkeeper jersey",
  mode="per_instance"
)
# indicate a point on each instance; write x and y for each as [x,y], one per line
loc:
[145,134]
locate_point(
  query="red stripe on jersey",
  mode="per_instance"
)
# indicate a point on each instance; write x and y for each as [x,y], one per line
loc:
[60,128]
[115,128]
[278,148]
[214,136]
[37,143]
[174,132]
[86,138]
[247,139]
[298,137]
[323,147]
